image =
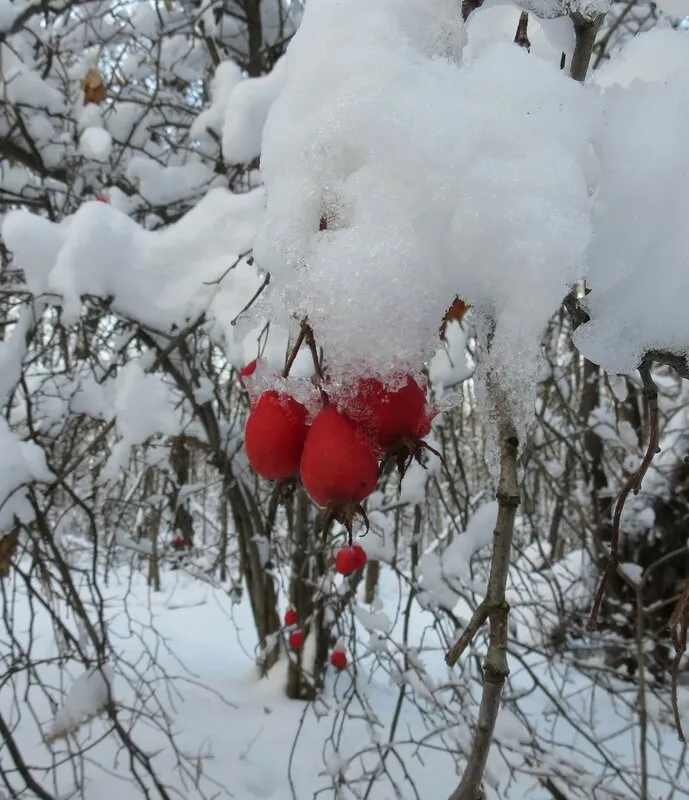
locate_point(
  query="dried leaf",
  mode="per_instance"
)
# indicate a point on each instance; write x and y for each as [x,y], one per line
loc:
[95,90]
[455,313]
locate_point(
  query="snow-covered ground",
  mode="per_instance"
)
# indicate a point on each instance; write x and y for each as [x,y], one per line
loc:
[238,736]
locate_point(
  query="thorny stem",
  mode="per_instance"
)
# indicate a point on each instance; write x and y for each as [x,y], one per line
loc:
[496,609]
[632,485]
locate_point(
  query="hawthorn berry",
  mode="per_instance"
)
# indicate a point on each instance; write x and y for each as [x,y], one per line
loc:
[424,427]
[350,559]
[296,639]
[339,466]
[338,658]
[178,543]
[249,369]
[388,415]
[290,617]
[275,435]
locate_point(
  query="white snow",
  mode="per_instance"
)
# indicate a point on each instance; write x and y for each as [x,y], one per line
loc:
[512,199]
[245,114]
[652,55]
[22,463]
[238,735]
[637,279]
[158,278]
[96,144]
[87,697]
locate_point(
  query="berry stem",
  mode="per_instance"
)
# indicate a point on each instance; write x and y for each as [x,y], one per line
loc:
[294,351]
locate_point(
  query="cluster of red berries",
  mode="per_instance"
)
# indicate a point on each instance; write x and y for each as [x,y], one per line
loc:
[338,451]
[338,657]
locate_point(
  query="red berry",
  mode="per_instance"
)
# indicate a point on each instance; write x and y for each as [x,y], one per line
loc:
[290,617]
[389,414]
[275,435]
[249,369]
[360,555]
[348,560]
[338,658]
[296,639]
[102,197]
[178,542]
[424,427]
[339,465]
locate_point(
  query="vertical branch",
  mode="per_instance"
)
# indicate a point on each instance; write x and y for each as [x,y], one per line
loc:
[521,37]
[495,608]
[585,32]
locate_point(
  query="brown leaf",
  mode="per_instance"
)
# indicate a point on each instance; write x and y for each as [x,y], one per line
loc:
[455,313]
[95,90]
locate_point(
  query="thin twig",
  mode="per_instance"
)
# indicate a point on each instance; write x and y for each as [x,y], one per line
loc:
[232,266]
[679,629]
[470,632]
[294,352]
[632,485]
[257,294]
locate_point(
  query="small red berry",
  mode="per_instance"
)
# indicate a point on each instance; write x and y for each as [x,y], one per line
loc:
[102,197]
[339,464]
[338,658]
[290,617]
[347,560]
[249,369]
[296,639]
[360,555]
[178,543]
[274,436]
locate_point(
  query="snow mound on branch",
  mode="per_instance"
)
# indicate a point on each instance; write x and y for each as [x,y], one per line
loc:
[22,463]
[653,55]
[638,279]
[427,192]
[87,697]
[245,115]
[96,144]
[227,76]
[157,278]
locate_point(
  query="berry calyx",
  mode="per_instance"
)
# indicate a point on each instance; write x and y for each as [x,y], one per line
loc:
[338,658]
[275,434]
[350,559]
[339,467]
[296,639]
